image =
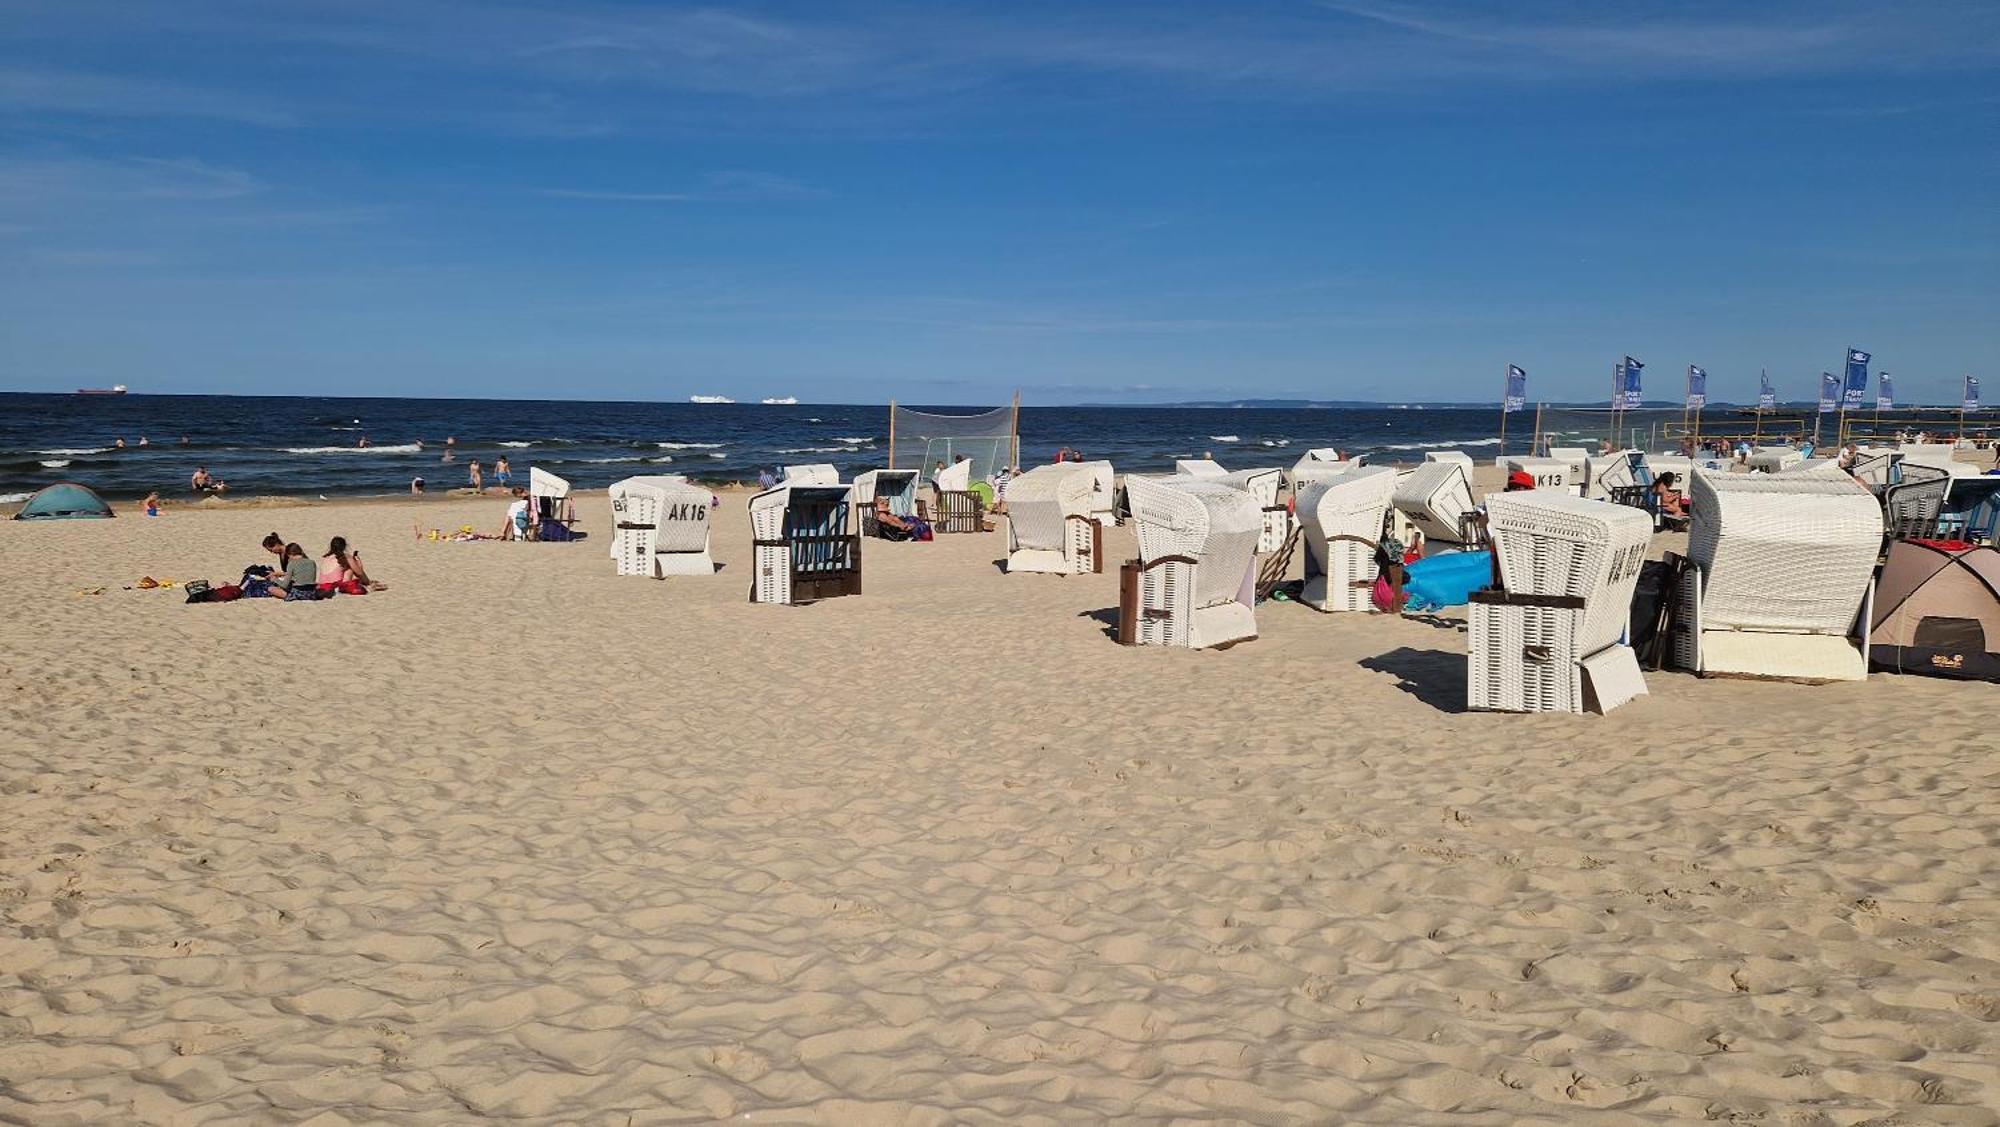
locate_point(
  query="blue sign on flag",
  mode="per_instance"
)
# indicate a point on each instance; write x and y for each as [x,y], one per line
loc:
[1517,389]
[1633,398]
[1767,399]
[1885,393]
[1971,401]
[1697,387]
[1857,380]
[1829,392]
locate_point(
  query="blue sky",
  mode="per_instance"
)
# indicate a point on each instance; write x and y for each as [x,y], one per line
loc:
[944,202]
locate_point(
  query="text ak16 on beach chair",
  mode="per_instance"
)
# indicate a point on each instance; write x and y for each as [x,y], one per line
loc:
[1051,527]
[955,507]
[1194,583]
[1342,518]
[805,544]
[1782,577]
[660,526]
[1551,637]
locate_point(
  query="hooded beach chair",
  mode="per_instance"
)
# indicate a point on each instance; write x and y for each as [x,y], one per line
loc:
[897,487]
[1771,459]
[1578,460]
[1436,499]
[816,473]
[1878,469]
[1342,519]
[1609,477]
[1458,458]
[1051,525]
[1913,507]
[551,512]
[954,506]
[1193,585]
[1938,454]
[1782,575]
[1322,461]
[1103,492]
[1267,487]
[805,544]
[1197,467]
[1552,475]
[660,526]
[1551,637]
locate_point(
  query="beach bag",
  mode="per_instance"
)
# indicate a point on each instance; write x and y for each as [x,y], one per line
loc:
[920,530]
[227,593]
[254,588]
[198,592]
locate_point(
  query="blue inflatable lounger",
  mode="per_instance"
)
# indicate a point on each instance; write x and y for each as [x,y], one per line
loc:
[1446,580]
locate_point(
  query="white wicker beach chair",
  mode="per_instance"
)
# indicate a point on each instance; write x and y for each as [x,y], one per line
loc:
[818,473]
[551,509]
[1551,638]
[1197,467]
[1051,526]
[1435,498]
[1606,474]
[1550,474]
[805,545]
[1342,518]
[1578,460]
[1267,487]
[898,487]
[661,526]
[1103,492]
[1318,460]
[1783,570]
[1193,584]
[1458,458]
[1877,469]
[1771,459]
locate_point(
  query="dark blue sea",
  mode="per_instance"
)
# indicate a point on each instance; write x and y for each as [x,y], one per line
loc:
[269,445]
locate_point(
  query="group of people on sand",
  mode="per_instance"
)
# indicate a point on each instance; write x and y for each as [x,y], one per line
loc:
[298,577]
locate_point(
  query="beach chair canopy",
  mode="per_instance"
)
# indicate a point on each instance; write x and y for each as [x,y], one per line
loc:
[1554,543]
[1937,611]
[954,478]
[898,487]
[1266,485]
[818,473]
[1619,469]
[1214,524]
[1342,519]
[542,483]
[1198,467]
[1041,502]
[1930,453]
[1782,553]
[65,500]
[1456,457]
[1771,459]
[1549,473]
[1435,498]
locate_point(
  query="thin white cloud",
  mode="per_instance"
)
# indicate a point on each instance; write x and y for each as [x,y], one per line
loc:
[54,181]
[616,197]
[720,186]
[43,91]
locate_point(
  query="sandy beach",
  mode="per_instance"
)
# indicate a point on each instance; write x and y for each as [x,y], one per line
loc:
[522,839]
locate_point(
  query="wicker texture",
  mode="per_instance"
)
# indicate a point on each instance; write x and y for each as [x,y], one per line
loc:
[1266,487]
[817,473]
[1779,552]
[1435,498]
[801,533]
[1456,457]
[1771,459]
[1217,526]
[1560,544]
[1342,519]
[1524,659]
[1049,519]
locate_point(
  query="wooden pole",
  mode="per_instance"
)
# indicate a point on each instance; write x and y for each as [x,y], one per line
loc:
[1506,378]
[1536,437]
[892,434]
[1014,445]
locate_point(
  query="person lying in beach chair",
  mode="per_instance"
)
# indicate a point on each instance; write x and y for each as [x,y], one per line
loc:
[889,526]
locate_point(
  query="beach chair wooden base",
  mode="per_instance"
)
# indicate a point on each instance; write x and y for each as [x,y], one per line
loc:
[1763,655]
[1523,658]
[1154,608]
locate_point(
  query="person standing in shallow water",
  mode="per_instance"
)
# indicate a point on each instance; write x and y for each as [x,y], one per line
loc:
[478,484]
[503,474]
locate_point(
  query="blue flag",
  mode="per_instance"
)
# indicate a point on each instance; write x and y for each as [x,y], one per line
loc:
[1517,389]
[1857,380]
[1697,387]
[1766,398]
[1829,392]
[1885,393]
[1971,400]
[1632,369]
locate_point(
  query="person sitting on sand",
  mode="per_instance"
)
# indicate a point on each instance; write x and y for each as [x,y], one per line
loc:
[275,544]
[153,504]
[516,527]
[1672,503]
[299,576]
[341,570]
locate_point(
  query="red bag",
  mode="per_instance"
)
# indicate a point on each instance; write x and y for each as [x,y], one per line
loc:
[227,593]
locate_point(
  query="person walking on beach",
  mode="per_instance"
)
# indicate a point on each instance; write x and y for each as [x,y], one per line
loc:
[503,474]
[766,480]
[478,485]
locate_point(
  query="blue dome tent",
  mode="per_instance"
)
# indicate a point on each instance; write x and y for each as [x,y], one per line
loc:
[65,500]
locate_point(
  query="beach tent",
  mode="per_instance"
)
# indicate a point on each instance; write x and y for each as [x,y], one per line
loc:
[1937,611]
[65,500]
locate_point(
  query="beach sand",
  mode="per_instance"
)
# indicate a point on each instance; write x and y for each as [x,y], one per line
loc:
[520,838]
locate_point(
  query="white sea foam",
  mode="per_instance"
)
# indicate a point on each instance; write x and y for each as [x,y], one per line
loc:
[403,448]
[824,449]
[1224,438]
[69,453]
[517,445]
[718,457]
[854,440]
[55,463]
[10,498]
[688,445]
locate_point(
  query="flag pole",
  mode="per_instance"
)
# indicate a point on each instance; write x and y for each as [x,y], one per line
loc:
[1963,386]
[1506,378]
[1757,435]
[892,434]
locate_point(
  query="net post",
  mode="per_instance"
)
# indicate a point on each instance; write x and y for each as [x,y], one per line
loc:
[892,434]
[1014,436]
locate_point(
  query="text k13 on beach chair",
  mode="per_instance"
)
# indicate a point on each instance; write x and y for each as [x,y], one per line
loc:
[1551,637]
[1342,518]
[805,544]
[1781,579]
[660,527]
[1194,583]
[955,507]
[1051,527]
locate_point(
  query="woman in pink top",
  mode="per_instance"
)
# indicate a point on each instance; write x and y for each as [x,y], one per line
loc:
[341,569]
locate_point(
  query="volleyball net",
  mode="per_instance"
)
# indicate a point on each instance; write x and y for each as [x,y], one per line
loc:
[924,441]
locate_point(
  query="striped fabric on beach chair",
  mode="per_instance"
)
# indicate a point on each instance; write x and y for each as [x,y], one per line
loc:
[804,543]
[1051,526]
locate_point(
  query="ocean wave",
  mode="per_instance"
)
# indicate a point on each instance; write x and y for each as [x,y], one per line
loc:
[688,445]
[824,449]
[516,445]
[1224,438]
[70,453]
[1275,442]
[11,498]
[854,440]
[55,463]
[718,457]
[403,448]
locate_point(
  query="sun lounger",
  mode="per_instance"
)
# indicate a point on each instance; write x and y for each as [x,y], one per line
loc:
[1550,638]
[805,545]
[661,527]
[1193,584]
[1342,519]
[1051,526]
[1782,572]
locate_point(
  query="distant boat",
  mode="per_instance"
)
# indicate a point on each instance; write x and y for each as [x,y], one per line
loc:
[710,399]
[117,389]
[787,401]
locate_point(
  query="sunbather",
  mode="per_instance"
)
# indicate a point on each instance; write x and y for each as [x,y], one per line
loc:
[341,570]
[1673,505]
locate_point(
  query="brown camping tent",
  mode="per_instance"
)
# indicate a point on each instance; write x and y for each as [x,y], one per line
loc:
[1937,611]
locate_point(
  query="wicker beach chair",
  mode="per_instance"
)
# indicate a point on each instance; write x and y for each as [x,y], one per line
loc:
[1551,475]
[1912,508]
[1342,519]
[1782,571]
[551,510]
[1193,585]
[805,545]
[660,526]
[817,473]
[1878,469]
[954,506]
[1578,460]
[898,487]
[1457,458]
[1550,638]
[1103,492]
[1197,467]
[1051,526]
[1436,499]
[1606,474]
[1267,486]
[1320,460]
[1772,459]
[1939,454]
